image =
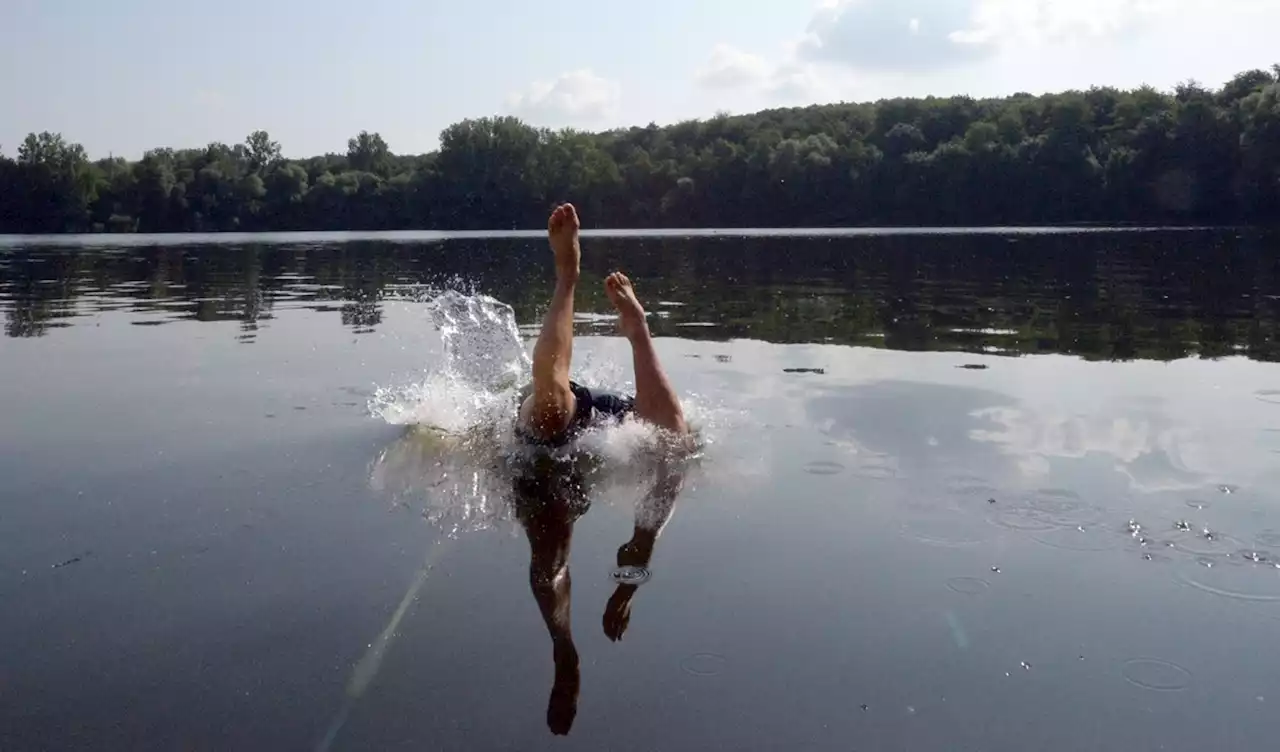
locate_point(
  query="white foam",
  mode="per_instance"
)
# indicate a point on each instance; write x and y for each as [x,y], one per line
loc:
[455,460]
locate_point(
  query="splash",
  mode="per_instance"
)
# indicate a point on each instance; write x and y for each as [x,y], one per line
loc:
[458,456]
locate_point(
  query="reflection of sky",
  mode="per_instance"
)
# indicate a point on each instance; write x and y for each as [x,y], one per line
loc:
[1161,427]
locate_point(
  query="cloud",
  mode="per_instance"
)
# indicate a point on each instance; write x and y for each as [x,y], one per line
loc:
[730,68]
[892,35]
[918,35]
[575,98]
[797,82]
[788,81]
[997,22]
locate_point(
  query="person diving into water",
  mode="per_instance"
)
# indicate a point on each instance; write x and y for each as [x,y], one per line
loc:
[554,409]
[550,497]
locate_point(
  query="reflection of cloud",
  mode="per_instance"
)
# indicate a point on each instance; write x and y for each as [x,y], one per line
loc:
[1154,454]
[577,97]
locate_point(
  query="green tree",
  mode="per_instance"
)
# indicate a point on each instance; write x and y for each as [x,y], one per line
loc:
[368,152]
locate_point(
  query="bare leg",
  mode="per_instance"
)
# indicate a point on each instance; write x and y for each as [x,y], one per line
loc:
[549,409]
[549,535]
[656,401]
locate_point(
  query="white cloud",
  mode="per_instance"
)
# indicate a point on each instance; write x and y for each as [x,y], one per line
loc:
[576,98]
[890,35]
[920,35]
[796,82]
[729,68]
[1050,21]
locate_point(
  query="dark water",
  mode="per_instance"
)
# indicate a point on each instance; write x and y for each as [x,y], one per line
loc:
[899,537]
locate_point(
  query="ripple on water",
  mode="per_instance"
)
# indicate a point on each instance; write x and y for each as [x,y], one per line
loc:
[1268,538]
[1045,511]
[875,468]
[1270,396]
[1197,543]
[628,575]
[1239,579]
[1079,538]
[1065,508]
[824,467]
[703,664]
[970,485]
[1198,504]
[948,532]
[1023,519]
[1155,674]
[968,585]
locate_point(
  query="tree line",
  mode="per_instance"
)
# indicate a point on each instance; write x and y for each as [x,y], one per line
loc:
[1104,155]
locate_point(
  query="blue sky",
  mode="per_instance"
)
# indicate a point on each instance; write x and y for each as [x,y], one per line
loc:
[127,75]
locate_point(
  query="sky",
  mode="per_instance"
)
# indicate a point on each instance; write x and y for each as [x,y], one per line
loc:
[124,76]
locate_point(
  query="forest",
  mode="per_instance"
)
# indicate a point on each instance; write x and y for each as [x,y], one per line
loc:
[1192,155]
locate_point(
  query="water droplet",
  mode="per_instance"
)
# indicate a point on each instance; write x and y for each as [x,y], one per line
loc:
[991,501]
[1026,666]
[703,664]
[629,575]
[996,570]
[1208,543]
[1228,489]
[1079,538]
[968,585]
[1182,525]
[1147,557]
[824,467]
[1197,504]
[865,707]
[1155,674]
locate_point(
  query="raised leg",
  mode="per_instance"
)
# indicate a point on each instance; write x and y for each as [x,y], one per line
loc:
[656,400]
[547,411]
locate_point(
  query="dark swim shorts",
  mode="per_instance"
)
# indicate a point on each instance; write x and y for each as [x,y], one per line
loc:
[595,406]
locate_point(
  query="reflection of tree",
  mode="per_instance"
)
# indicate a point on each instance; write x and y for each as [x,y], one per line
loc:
[1107,296]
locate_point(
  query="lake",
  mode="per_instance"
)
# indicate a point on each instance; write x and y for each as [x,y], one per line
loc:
[1000,490]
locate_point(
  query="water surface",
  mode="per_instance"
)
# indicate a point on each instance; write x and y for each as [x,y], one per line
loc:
[990,491]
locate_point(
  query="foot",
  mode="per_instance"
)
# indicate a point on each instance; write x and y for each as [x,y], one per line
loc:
[562,705]
[562,231]
[617,612]
[631,315]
